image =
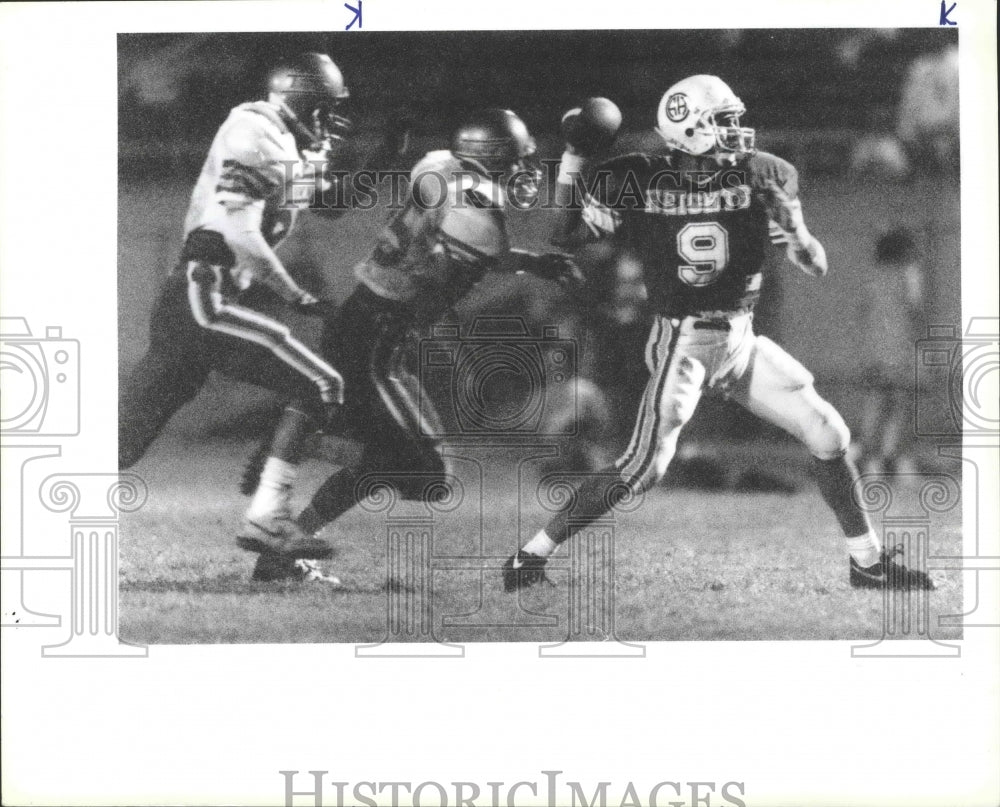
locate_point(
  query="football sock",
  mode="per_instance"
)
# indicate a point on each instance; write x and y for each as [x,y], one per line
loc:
[541,545]
[273,495]
[335,497]
[836,480]
[290,434]
[865,549]
[595,497]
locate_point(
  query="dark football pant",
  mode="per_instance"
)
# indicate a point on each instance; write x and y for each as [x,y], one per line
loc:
[194,329]
[385,409]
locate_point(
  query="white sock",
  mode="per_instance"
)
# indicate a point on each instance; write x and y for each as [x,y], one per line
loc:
[541,545]
[865,549]
[273,495]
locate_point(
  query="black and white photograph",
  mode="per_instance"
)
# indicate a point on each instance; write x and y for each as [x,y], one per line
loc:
[539,404]
[601,346]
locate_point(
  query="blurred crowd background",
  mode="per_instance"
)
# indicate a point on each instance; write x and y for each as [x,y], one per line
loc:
[844,83]
[869,117]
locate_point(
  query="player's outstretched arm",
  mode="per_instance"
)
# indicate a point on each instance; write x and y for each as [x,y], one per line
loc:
[785,211]
[243,235]
[567,214]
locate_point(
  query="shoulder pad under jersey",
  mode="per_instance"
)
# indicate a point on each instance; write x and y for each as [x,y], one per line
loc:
[624,175]
[254,139]
[254,151]
[763,167]
[439,161]
[633,161]
[475,234]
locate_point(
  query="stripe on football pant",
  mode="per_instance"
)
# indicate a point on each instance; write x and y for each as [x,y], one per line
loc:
[656,334]
[658,348]
[211,311]
[633,470]
[403,409]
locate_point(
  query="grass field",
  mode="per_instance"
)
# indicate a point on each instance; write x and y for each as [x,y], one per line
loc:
[690,564]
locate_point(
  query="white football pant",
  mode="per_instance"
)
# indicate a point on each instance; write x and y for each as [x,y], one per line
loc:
[687,356]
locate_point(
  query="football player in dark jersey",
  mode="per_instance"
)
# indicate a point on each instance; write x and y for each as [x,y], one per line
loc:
[451,231]
[700,216]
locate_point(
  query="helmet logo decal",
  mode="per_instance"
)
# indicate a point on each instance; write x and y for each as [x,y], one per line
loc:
[677,107]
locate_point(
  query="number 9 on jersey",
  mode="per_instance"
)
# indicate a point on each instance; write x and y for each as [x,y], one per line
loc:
[705,245]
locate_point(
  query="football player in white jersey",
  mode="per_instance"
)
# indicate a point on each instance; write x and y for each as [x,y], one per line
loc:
[699,216]
[451,231]
[260,171]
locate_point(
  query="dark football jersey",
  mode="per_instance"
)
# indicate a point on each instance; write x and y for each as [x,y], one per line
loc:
[701,237]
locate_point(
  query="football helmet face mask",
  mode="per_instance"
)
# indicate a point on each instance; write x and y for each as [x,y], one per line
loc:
[700,116]
[496,141]
[312,98]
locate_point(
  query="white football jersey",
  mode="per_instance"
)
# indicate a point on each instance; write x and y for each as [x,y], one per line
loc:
[253,166]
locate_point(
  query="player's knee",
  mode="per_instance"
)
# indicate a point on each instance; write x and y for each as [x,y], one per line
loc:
[827,436]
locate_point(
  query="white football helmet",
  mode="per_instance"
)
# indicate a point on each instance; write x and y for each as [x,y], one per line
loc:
[700,115]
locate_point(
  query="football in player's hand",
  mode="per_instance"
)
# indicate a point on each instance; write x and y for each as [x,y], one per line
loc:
[591,127]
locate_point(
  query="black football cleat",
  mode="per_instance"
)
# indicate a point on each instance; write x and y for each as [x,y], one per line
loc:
[271,568]
[523,570]
[279,535]
[887,573]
